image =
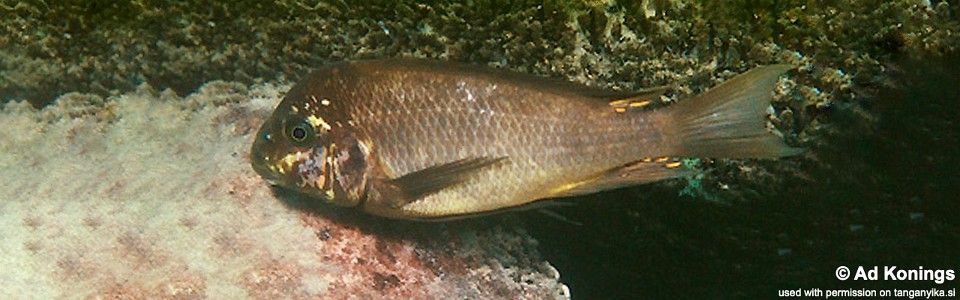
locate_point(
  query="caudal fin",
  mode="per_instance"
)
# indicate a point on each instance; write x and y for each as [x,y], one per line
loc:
[729,120]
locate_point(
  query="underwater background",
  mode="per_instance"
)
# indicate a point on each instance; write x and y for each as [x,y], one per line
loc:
[126,127]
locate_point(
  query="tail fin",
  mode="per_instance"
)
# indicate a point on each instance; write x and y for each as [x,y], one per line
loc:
[728,121]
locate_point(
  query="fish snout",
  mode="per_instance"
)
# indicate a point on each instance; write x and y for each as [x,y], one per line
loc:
[261,164]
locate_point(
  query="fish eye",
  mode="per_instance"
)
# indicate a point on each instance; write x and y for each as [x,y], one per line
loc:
[300,132]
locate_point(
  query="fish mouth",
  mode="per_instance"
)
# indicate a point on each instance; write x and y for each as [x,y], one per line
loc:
[265,172]
[261,164]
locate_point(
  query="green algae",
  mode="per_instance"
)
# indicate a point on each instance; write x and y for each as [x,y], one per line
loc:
[100,47]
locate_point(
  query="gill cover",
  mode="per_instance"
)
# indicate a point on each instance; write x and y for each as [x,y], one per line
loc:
[347,171]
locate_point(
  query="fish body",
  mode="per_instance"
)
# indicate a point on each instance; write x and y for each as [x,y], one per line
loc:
[421,139]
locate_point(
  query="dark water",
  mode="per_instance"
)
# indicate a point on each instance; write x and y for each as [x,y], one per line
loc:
[885,195]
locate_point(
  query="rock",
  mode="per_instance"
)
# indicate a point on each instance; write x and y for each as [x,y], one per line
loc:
[159,202]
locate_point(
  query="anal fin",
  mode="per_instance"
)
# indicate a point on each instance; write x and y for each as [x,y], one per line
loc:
[635,173]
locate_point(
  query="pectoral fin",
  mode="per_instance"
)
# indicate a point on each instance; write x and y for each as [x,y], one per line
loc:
[417,185]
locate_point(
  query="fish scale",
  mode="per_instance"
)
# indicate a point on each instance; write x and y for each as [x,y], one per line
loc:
[422,139]
[536,162]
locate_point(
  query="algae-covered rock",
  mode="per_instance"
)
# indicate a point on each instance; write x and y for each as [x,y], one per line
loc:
[147,195]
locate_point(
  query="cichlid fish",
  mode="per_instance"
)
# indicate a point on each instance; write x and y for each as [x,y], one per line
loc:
[421,139]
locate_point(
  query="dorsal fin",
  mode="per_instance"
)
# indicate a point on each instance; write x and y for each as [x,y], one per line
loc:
[638,100]
[549,84]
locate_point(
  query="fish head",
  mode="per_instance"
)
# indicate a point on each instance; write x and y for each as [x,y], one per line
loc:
[304,147]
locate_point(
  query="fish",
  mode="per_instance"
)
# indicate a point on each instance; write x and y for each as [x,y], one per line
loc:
[432,140]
